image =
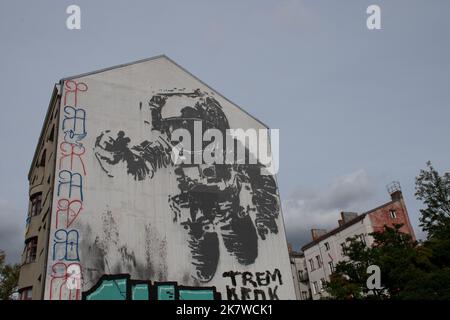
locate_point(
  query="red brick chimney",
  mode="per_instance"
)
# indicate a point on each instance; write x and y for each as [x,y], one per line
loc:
[316,233]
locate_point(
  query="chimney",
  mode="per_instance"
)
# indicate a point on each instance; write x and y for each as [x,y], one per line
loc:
[316,233]
[347,216]
[395,190]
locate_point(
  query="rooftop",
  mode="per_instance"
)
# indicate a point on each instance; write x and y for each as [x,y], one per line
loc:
[343,226]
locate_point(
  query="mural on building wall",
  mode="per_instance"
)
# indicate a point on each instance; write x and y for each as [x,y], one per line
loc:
[209,204]
[121,287]
[124,209]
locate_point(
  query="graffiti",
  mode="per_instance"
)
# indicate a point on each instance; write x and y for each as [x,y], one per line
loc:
[74,124]
[61,274]
[65,245]
[121,287]
[69,210]
[231,205]
[70,180]
[72,88]
[70,150]
[66,276]
[249,286]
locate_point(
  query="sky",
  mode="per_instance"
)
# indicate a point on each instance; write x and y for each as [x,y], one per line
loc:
[356,108]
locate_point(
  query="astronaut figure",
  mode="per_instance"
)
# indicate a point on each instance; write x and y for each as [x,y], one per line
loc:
[234,202]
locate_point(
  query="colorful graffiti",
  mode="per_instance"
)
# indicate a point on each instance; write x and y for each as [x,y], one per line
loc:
[121,287]
[65,281]
[209,204]
[66,271]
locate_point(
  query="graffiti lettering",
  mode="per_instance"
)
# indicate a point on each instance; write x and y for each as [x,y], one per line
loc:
[70,150]
[66,278]
[69,210]
[120,287]
[253,286]
[65,245]
[74,124]
[61,273]
[72,88]
[70,180]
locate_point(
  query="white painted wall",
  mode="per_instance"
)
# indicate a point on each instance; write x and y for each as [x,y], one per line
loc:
[123,217]
[299,270]
[334,254]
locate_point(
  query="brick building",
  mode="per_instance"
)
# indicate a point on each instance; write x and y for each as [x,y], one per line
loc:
[327,248]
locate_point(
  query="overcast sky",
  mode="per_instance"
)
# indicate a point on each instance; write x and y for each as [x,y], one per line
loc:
[356,108]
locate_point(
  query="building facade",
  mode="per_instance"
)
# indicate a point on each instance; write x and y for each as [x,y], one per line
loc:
[114,214]
[300,275]
[41,177]
[328,248]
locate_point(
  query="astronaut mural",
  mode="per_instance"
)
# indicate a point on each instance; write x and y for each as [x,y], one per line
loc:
[137,203]
[207,205]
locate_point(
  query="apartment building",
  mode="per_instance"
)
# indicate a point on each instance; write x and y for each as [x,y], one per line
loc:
[300,275]
[327,248]
[112,215]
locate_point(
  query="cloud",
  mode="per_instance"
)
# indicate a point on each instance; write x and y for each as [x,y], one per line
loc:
[307,208]
[12,225]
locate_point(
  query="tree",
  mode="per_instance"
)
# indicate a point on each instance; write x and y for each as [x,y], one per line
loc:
[409,270]
[349,279]
[434,190]
[393,252]
[9,277]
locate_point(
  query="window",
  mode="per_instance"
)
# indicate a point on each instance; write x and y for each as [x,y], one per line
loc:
[305,295]
[393,214]
[322,284]
[25,294]
[36,204]
[311,264]
[31,250]
[315,287]
[51,136]
[43,158]
[319,261]
[300,275]
[331,266]
[327,246]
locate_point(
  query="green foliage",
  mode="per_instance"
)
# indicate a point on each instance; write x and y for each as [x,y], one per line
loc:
[434,191]
[409,270]
[348,281]
[342,288]
[9,277]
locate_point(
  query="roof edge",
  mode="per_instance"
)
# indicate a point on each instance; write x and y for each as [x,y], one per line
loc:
[53,97]
[114,67]
[334,231]
[174,63]
[351,222]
